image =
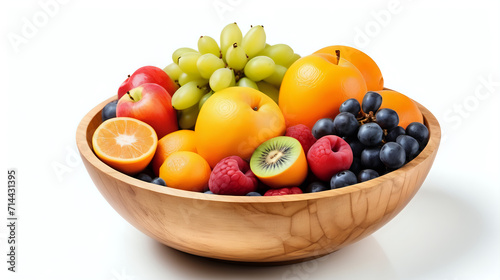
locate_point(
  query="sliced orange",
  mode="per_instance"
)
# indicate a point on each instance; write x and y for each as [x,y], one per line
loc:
[126,144]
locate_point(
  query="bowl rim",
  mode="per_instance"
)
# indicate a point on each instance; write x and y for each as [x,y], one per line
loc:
[87,152]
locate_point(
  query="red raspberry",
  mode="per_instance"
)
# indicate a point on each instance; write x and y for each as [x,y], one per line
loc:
[232,176]
[328,156]
[303,134]
[283,191]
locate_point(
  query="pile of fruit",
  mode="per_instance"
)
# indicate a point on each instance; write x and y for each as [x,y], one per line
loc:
[249,118]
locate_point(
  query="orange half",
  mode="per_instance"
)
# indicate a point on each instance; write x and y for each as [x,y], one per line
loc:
[126,144]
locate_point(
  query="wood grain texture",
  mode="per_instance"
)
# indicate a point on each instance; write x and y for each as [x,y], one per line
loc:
[257,229]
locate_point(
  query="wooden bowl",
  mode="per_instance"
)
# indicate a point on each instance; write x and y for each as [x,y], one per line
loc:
[271,229]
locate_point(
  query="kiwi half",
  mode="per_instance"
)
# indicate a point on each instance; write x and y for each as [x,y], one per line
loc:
[280,162]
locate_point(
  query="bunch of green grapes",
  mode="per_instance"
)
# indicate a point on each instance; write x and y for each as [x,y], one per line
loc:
[246,61]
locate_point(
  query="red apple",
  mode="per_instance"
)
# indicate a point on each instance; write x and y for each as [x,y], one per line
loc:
[148,74]
[151,104]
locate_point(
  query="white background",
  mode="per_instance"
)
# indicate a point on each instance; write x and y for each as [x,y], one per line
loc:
[444,55]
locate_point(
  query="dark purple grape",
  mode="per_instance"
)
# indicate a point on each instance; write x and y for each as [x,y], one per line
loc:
[323,127]
[371,102]
[343,179]
[370,158]
[387,118]
[350,106]
[420,132]
[109,111]
[367,174]
[392,134]
[345,124]
[370,134]
[316,187]
[356,146]
[410,145]
[393,155]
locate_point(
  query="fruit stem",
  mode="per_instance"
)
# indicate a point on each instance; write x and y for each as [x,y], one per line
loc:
[128,92]
[337,52]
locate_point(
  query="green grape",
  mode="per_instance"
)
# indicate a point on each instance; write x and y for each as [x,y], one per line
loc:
[269,90]
[187,62]
[204,98]
[259,68]
[229,35]
[236,57]
[180,51]
[280,53]
[221,79]
[254,41]
[186,78]
[207,64]
[173,71]
[207,44]
[187,118]
[246,82]
[188,95]
[277,76]
[294,58]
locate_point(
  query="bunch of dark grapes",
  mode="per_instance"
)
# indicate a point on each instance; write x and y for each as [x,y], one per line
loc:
[378,144]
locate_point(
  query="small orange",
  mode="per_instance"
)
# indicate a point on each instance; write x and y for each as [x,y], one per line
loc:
[316,85]
[234,122]
[126,144]
[180,140]
[186,171]
[407,110]
[365,64]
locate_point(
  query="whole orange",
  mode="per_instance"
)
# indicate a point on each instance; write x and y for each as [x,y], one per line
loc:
[186,171]
[365,64]
[180,140]
[316,85]
[234,122]
[407,110]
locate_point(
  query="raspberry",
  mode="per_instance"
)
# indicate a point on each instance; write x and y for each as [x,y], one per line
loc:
[303,134]
[328,156]
[283,191]
[232,176]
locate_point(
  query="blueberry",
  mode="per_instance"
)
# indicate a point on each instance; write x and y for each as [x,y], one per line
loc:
[316,187]
[253,194]
[370,134]
[208,192]
[392,134]
[387,118]
[367,174]
[343,179]
[351,106]
[418,131]
[370,158]
[144,177]
[371,102]
[393,155]
[410,145]
[159,181]
[345,124]
[109,111]
[323,127]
